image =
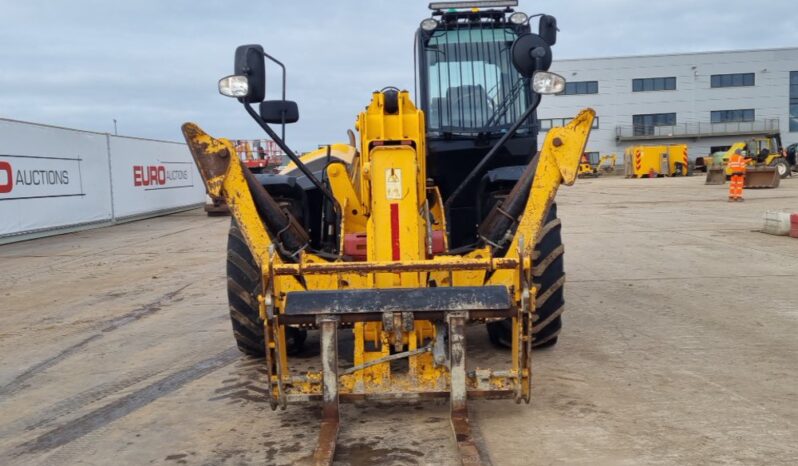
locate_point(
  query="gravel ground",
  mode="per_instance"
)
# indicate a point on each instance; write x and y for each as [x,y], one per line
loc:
[679,347]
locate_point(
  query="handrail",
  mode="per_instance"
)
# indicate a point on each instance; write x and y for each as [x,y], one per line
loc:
[697,129]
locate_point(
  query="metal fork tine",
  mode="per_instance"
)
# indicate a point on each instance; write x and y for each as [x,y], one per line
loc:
[469,453]
[328,435]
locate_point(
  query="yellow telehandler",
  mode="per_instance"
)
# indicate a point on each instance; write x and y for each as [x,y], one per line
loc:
[430,219]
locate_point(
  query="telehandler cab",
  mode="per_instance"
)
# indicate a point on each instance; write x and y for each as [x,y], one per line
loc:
[436,216]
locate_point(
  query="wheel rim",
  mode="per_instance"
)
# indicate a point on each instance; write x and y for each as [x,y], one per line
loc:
[782,169]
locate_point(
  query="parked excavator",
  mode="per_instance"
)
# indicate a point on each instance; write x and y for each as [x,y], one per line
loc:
[593,165]
[437,215]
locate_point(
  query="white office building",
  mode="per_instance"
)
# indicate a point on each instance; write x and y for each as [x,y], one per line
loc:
[708,100]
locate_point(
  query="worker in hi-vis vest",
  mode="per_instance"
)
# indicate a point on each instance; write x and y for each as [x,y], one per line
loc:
[737,167]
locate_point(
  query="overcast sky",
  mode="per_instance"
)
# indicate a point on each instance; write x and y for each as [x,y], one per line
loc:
[153,64]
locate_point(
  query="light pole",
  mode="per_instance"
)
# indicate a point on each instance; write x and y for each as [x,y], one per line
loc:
[115,133]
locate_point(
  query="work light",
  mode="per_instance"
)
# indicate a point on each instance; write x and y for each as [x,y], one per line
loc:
[545,82]
[518,18]
[234,86]
[429,24]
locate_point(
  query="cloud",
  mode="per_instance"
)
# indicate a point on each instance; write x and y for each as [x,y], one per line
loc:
[153,65]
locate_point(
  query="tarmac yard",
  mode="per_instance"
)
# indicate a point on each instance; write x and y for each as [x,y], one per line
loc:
[679,347]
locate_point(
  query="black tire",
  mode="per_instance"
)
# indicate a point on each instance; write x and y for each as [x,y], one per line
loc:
[549,278]
[243,287]
[783,167]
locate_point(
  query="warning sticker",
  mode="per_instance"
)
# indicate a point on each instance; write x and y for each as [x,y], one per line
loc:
[393,183]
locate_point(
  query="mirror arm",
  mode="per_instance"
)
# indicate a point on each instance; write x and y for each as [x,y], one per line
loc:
[291,155]
[280,64]
[493,151]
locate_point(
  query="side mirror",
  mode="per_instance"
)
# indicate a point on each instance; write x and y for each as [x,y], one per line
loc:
[531,53]
[547,29]
[249,62]
[279,111]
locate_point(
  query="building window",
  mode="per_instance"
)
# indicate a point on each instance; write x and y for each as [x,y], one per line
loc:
[644,124]
[580,87]
[654,84]
[732,116]
[733,80]
[545,124]
[793,101]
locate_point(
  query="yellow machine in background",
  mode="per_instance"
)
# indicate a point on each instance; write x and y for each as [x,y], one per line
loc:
[766,163]
[593,165]
[607,163]
[654,161]
[586,168]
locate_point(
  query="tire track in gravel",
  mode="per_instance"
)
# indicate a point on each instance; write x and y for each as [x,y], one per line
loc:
[20,381]
[49,414]
[117,409]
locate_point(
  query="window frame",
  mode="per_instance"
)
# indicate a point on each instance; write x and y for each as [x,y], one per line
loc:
[655,84]
[724,80]
[729,116]
[446,59]
[645,129]
[587,87]
[558,122]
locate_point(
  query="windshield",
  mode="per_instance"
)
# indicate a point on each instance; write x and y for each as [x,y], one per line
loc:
[472,85]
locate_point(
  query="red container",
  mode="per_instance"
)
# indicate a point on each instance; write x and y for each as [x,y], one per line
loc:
[794,225]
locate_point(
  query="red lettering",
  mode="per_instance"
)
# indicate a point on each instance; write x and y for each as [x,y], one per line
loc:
[149,175]
[153,174]
[9,184]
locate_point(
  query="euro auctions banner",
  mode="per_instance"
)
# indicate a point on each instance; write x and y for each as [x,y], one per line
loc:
[51,177]
[35,177]
[150,176]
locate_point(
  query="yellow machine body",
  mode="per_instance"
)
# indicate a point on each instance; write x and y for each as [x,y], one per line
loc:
[607,163]
[759,174]
[404,300]
[604,164]
[587,167]
[646,161]
[383,192]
